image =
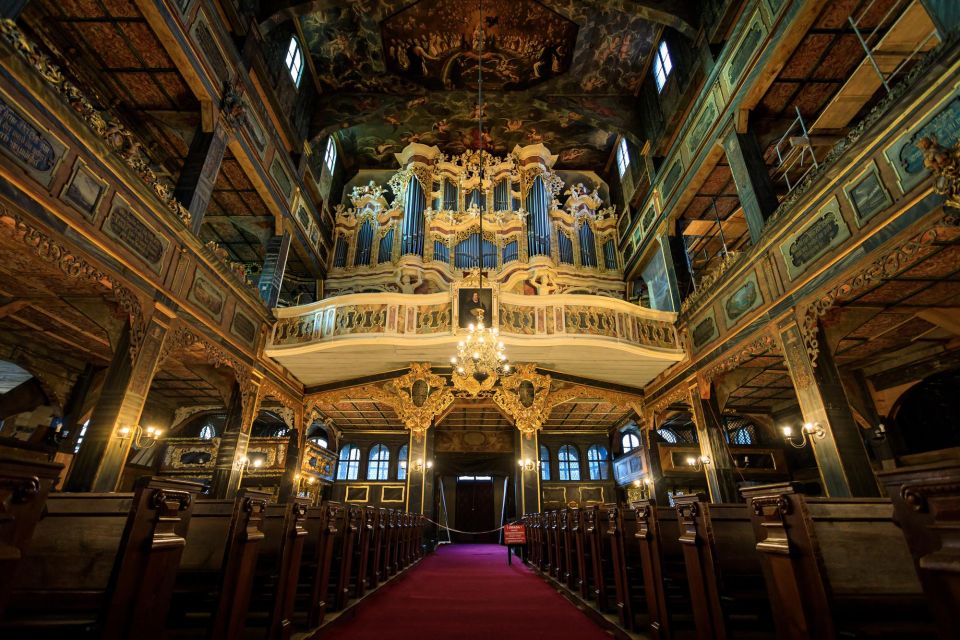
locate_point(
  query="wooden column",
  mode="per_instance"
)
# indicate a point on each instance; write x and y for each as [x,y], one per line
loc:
[529,481]
[199,173]
[290,482]
[229,470]
[841,455]
[678,270]
[753,182]
[719,472]
[274,266]
[99,464]
[420,483]
[657,490]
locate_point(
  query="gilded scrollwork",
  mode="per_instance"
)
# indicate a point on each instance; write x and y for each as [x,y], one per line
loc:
[525,397]
[418,397]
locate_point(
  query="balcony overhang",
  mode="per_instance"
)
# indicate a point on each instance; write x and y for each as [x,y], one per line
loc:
[357,335]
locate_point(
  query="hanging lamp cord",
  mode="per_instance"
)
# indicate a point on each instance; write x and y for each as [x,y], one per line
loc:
[483,200]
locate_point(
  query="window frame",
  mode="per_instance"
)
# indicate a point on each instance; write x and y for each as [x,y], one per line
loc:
[295,61]
[330,156]
[598,467]
[568,461]
[349,454]
[623,157]
[662,65]
[207,429]
[402,456]
[545,463]
[378,462]
[633,437]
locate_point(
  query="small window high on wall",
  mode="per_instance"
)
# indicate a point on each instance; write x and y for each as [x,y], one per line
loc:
[623,157]
[629,441]
[330,155]
[348,465]
[662,65]
[295,61]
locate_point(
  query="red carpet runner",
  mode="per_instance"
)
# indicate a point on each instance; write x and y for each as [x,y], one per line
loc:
[467,592]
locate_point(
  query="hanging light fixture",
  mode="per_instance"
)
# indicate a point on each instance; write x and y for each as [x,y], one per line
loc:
[480,355]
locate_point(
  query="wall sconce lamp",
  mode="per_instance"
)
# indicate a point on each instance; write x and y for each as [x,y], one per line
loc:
[141,439]
[419,466]
[526,464]
[809,429]
[699,462]
[245,463]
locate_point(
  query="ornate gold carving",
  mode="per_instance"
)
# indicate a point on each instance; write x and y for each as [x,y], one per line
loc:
[120,139]
[886,266]
[418,397]
[709,281]
[525,397]
[75,266]
[236,268]
[944,163]
[761,344]
[676,395]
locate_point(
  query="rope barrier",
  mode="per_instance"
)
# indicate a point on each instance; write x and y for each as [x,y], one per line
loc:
[469,533]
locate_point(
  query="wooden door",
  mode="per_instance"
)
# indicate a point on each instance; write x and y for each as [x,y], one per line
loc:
[475,510]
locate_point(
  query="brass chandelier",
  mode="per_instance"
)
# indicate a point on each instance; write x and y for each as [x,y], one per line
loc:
[480,359]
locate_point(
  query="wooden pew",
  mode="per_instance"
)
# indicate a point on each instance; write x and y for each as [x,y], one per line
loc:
[630,598]
[215,576]
[601,556]
[102,565]
[724,573]
[24,486]
[664,572]
[364,550]
[278,568]
[836,567]
[386,558]
[375,572]
[550,537]
[320,561]
[926,505]
[347,570]
[581,555]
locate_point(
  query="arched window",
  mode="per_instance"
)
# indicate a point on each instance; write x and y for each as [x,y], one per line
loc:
[207,432]
[597,462]
[320,441]
[402,463]
[544,462]
[295,61]
[669,435]
[378,462]
[629,442]
[348,466]
[569,460]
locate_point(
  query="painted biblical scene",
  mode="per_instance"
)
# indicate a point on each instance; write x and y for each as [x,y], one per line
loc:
[441,44]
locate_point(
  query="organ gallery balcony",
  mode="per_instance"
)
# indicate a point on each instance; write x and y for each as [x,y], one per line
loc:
[360,334]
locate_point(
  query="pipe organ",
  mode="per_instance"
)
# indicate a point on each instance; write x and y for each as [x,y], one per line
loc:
[544,231]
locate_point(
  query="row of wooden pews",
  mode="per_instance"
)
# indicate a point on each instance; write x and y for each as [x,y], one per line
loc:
[782,564]
[162,563]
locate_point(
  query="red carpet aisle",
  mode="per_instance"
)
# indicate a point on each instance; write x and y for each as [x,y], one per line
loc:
[468,592]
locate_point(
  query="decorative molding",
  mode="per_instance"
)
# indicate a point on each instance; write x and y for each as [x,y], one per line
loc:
[117,137]
[886,266]
[944,163]
[75,266]
[761,344]
[418,397]
[525,396]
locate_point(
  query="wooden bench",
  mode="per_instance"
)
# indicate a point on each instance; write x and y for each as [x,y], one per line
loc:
[215,576]
[836,567]
[317,560]
[724,573]
[601,556]
[375,572]
[552,544]
[568,520]
[24,486]
[664,572]
[102,565]
[278,568]
[629,598]
[926,505]
[364,550]
[582,554]
[347,569]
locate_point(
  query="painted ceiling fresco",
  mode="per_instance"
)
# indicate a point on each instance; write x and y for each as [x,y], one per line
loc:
[560,72]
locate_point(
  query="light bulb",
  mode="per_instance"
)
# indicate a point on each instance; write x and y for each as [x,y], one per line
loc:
[506,368]
[480,326]
[500,346]
[471,327]
[453,360]
[460,370]
[476,355]
[691,461]
[808,427]
[787,431]
[460,344]
[496,331]
[482,341]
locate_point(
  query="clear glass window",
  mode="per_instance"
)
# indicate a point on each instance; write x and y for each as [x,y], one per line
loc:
[378,463]
[597,460]
[629,441]
[569,462]
[348,465]
[662,65]
[294,61]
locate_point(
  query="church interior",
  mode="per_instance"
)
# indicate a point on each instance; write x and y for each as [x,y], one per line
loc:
[480,318]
